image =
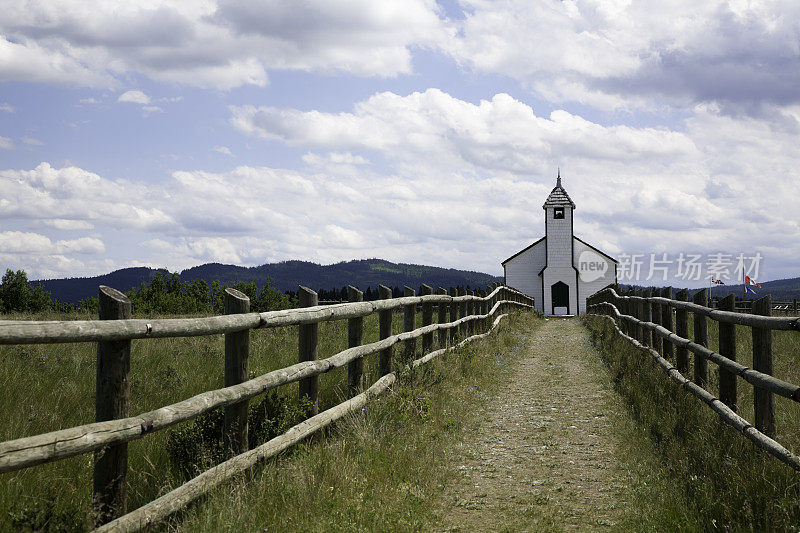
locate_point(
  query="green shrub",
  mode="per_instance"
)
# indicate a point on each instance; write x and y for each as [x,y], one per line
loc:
[196,446]
[44,516]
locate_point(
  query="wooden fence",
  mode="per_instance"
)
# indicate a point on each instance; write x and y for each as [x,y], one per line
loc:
[470,317]
[645,319]
[785,308]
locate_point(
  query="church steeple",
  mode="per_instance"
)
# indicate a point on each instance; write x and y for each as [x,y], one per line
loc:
[558,196]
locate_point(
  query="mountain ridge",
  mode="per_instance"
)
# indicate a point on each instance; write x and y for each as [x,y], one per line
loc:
[285,276]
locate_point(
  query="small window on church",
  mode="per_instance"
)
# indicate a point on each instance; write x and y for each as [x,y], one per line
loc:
[558,212]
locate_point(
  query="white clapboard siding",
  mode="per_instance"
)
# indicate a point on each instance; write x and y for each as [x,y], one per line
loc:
[522,272]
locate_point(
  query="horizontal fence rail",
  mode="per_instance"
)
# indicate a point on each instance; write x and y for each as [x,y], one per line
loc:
[636,327]
[113,432]
[51,332]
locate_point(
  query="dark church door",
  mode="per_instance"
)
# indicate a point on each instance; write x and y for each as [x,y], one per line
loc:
[560,295]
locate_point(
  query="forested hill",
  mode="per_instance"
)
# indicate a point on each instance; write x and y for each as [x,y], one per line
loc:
[286,275]
[781,290]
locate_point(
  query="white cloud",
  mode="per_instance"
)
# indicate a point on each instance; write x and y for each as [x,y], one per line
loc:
[223,150]
[219,44]
[31,141]
[135,97]
[501,133]
[6,143]
[72,193]
[27,60]
[17,242]
[6,107]
[637,54]
[453,183]
[66,224]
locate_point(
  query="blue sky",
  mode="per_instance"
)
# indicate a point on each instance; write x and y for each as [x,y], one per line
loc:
[171,134]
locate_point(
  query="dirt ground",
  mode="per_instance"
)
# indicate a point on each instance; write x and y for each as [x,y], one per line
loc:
[541,456]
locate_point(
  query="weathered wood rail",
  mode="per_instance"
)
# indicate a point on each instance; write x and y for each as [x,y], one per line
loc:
[634,319]
[470,317]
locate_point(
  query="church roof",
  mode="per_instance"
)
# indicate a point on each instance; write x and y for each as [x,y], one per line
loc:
[558,197]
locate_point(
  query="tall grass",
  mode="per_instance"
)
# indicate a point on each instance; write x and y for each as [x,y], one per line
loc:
[380,469]
[719,479]
[49,387]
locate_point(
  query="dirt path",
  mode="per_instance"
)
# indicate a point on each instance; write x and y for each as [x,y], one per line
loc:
[541,457]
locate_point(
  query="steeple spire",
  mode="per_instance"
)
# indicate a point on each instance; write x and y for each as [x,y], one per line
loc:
[558,179]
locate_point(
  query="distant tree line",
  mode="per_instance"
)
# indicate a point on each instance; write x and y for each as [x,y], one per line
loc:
[165,293]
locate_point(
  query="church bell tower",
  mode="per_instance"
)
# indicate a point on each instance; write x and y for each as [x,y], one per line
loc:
[559,277]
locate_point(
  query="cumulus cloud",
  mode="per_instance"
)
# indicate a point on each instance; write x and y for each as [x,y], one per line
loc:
[66,224]
[501,133]
[219,44]
[6,143]
[224,150]
[134,97]
[72,193]
[17,242]
[640,54]
[453,184]
[335,158]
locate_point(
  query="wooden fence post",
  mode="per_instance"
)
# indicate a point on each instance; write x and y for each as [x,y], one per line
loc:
[682,330]
[409,324]
[462,312]
[355,334]
[666,321]
[471,312]
[655,311]
[453,317]
[385,327]
[237,351]
[477,306]
[701,337]
[639,313]
[762,362]
[427,319]
[483,309]
[630,329]
[441,319]
[489,306]
[112,391]
[647,317]
[307,347]
[727,347]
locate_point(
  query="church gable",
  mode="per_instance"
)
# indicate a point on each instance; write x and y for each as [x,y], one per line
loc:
[540,242]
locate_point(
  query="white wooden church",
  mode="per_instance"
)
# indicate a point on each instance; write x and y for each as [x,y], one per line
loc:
[560,270]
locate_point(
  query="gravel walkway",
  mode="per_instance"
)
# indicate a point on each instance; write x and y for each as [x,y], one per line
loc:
[541,456]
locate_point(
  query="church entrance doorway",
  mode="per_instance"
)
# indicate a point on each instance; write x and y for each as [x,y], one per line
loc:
[559,293]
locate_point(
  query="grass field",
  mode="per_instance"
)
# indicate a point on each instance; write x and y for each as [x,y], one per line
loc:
[719,480]
[391,448]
